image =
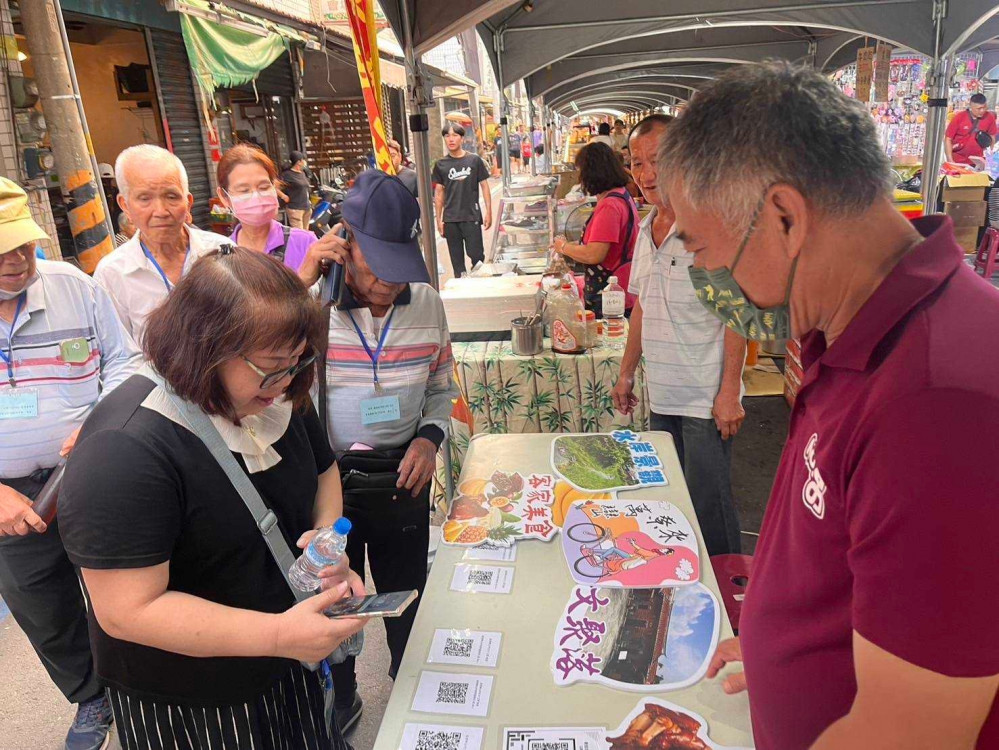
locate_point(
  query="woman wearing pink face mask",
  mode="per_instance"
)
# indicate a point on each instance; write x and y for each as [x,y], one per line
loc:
[249,186]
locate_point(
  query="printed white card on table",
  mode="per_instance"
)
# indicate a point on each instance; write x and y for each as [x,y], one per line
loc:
[555,738]
[482,579]
[440,737]
[446,693]
[470,648]
[491,554]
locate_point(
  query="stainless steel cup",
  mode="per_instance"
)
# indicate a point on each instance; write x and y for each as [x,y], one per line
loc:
[526,340]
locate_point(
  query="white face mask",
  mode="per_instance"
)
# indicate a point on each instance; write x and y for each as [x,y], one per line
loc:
[5,295]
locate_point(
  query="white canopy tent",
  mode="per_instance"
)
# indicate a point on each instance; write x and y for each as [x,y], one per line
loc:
[625,55]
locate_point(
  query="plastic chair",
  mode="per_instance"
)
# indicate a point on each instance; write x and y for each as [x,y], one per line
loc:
[985,258]
[732,572]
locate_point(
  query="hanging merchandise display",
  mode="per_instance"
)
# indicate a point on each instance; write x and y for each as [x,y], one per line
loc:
[636,639]
[630,544]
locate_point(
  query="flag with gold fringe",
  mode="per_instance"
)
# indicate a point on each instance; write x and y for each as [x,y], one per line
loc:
[362,30]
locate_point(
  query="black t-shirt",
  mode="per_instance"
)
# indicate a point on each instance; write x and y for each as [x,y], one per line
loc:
[296,187]
[461,178]
[141,490]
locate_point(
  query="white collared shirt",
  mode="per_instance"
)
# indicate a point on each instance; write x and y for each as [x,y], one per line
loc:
[683,342]
[64,307]
[134,284]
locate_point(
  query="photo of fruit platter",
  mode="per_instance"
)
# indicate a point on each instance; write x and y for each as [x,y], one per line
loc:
[500,510]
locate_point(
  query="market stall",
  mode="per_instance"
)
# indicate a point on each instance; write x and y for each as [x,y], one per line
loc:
[598,656]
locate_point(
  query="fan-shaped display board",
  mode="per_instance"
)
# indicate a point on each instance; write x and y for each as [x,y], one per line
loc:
[656,724]
[500,510]
[646,640]
[620,460]
[638,544]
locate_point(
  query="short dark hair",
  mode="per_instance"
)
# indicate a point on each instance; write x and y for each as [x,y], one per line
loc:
[232,301]
[618,122]
[603,129]
[647,124]
[600,169]
[539,149]
[453,127]
[979,99]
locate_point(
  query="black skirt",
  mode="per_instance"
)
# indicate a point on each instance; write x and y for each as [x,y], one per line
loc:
[288,716]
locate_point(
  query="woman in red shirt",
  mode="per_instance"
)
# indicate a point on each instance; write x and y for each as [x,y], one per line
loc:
[608,240]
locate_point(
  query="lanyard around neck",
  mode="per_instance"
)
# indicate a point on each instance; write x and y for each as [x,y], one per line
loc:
[156,265]
[375,355]
[8,356]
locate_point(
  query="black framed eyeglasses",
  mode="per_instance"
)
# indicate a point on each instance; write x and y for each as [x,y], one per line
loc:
[270,378]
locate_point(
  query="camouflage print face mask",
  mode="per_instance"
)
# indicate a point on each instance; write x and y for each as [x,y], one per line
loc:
[718,291]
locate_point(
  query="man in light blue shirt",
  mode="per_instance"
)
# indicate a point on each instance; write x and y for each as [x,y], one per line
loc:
[62,347]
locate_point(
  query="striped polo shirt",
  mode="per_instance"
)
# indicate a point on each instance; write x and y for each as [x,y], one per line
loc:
[415,365]
[65,311]
[683,343]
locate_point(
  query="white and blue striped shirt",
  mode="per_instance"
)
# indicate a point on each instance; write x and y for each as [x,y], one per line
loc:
[62,305]
[683,343]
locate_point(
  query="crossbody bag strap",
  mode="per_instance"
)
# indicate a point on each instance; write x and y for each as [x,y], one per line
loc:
[280,252]
[267,522]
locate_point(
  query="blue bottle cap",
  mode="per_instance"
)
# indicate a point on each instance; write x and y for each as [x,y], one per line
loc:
[342,526]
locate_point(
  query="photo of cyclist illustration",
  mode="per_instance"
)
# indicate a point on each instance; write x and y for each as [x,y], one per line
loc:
[457,179]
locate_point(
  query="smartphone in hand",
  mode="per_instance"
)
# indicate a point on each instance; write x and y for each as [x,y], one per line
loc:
[376,605]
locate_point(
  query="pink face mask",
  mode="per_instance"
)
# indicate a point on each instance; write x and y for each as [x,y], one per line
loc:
[255,209]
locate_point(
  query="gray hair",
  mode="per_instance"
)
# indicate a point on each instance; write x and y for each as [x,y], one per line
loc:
[770,123]
[146,152]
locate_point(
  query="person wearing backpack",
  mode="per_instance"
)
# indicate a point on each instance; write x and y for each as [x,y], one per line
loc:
[971,132]
[609,235]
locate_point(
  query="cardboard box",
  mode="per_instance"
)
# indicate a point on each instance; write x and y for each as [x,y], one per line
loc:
[966,187]
[967,237]
[967,213]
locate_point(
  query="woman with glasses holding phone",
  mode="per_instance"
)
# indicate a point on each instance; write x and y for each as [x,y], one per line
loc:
[250,188]
[195,630]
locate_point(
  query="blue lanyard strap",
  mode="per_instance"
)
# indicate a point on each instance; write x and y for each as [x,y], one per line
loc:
[156,265]
[8,356]
[375,355]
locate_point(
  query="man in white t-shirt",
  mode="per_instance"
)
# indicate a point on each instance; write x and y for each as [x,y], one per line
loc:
[693,363]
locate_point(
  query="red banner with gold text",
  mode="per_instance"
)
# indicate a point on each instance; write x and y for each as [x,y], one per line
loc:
[363,31]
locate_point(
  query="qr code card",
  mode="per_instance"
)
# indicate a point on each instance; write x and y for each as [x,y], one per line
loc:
[485,579]
[474,648]
[439,737]
[462,694]
[556,738]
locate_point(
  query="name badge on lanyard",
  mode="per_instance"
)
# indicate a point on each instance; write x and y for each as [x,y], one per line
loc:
[381,408]
[16,403]
[157,266]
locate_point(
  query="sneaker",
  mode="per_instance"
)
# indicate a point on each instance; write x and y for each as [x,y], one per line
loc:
[91,725]
[347,714]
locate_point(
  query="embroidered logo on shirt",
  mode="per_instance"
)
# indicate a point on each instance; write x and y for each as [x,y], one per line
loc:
[814,492]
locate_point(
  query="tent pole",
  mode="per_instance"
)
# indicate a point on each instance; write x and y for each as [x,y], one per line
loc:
[530,133]
[935,122]
[504,112]
[419,126]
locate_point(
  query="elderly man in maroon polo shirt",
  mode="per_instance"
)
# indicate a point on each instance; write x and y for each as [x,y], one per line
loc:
[871,616]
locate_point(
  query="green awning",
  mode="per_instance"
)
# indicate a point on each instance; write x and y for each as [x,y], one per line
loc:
[224,56]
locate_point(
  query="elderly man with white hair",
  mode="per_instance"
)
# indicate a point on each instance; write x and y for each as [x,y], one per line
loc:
[153,192]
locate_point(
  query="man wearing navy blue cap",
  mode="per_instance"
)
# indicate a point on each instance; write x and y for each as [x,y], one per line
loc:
[389,390]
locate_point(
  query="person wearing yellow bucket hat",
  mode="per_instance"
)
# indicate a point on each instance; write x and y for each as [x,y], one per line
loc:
[62,347]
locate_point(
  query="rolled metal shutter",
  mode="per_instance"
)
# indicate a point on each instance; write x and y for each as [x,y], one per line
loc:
[179,109]
[274,80]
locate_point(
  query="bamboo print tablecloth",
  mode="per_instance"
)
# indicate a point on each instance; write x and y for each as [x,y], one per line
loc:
[547,393]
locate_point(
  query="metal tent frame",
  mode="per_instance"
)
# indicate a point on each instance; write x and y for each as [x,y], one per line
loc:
[586,50]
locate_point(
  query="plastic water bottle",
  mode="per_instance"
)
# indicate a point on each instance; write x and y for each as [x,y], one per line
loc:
[325,549]
[612,302]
